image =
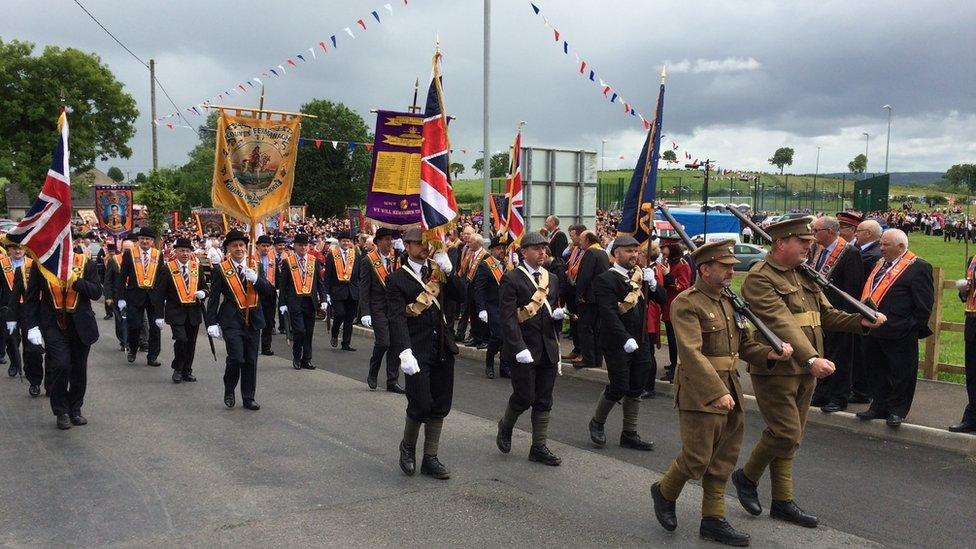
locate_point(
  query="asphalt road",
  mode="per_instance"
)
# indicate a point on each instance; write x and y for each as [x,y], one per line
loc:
[163,463]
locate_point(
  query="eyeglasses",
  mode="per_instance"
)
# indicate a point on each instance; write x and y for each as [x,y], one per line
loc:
[821,229]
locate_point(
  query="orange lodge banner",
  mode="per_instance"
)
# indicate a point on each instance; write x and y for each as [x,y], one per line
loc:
[254,168]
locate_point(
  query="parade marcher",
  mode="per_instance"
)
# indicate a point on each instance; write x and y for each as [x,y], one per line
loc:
[31,360]
[113,270]
[267,263]
[677,278]
[655,303]
[419,336]
[967,294]
[234,313]
[795,309]
[901,287]
[529,320]
[302,295]
[135,288]
[485,288]
[558,241]
[59,318]
[11,263]
[342,288]
[474,254]
[593,263]
[281,252]
[572,256]
[707,393]
[619,299]
[868,240]
[457,313]
[179,298]
[377,266]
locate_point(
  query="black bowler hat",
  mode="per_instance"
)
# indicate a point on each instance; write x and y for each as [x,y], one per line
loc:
[182,242]
[147,231]
[382,232]
[496,241]
[300,238]
[265,239]
[235,235]
[280,240]
[110,247]
[344,235]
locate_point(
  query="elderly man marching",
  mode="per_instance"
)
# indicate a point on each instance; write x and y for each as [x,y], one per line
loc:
[794,308]
[529,321]
[486,288]
[267,262]
[302,294]
[134,289]
[179,296]
[619,300]
[707,393]
[375,269]
[419,335]
[11,263]
[16,279]
[234,313]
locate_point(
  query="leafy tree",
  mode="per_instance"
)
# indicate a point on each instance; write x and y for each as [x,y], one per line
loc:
[160,194]
[499,165]
[858,165]
[115,174]
[101,113]
[962,175]
[478,166]
[457,169]
[140,178]
[669,156]
[782,157]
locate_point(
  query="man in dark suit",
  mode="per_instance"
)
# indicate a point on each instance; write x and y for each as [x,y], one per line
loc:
[901,286]
[485,289]
[530,319]
[377,265]
[267,263]
[558,241]
[10,263]
[840,262]
[16,271]
[234,313]
[136,284]
[281,252]
[179,294]
[61,320]
[302,294]
[619,299]
[342,286]
[113,270]
[418,335]
[594,263]
[868,236]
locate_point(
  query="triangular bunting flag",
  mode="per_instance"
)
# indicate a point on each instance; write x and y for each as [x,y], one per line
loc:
[318,143]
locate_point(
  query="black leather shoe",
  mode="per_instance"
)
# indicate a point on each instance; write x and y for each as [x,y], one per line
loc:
[267,352]
[893,420]
[229,401]
[122,347]
[597,434]
[963,427]
[818,403]
[177,376]
[189,377]
[131,356]
[64,422]
[857,398]
[371,381]
[788,511]
[490,372]
[832,407]
[251,405]
[541,454]
[348,348]
[334,342]
[308,366]
[34,390]
[296,364]
[871,413]
[646,395]
[395,388]
[153,362]
[12,371]
[432,467]
[3,359]
[408,458]
[481,346]
[630,439]
[718,529]
[504,439]
[746,491]
[106,317]
[78,419]
[663,508]
[504,373]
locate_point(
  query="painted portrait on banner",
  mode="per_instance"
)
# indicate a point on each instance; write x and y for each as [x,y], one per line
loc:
[113,208]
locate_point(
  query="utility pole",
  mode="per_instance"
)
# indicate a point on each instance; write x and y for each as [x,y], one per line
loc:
[867,137]
[888,139]
[486,167]
[815,173]
[603,155]
[152,108]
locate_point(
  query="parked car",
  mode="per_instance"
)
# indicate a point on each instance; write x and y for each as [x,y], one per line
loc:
[748,255]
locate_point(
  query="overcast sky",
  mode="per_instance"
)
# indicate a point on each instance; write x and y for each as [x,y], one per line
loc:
[744,77]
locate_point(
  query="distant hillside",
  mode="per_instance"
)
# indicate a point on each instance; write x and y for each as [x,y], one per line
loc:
[907,179]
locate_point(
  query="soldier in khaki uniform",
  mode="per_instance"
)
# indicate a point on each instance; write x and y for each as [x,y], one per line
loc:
[707,393]
[794,308]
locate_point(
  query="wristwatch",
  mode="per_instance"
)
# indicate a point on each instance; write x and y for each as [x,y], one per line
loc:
[810,361]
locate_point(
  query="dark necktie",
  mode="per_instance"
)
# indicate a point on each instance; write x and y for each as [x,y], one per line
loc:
[881,273]
[240,273]
[822,258]
[301,264]
[536,276]
[186,277]
[425,273]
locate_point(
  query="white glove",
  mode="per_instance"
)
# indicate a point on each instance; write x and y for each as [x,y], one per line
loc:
[324,306]
[159,323]
[199,294]
[515,260]
[328,299]
[483,315]
[34,336]
[121,304]
[443,262]
[408,364]
[962,284]
[214,331]
[283,309]
[398,245]
[524,357]
[368,321]
[558,313]
[630,346]
[11,326]
[250,275]
[650,279]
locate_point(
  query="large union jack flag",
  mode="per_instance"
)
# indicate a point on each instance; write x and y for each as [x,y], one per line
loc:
[45,231]
[438,208]
[513,193]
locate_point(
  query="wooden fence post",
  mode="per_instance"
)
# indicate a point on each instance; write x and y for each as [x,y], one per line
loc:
[930,363]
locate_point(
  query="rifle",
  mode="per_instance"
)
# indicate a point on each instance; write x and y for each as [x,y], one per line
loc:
[810,272]
[738,304]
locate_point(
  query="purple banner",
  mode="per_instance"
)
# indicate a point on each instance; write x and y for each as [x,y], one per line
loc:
[393,198]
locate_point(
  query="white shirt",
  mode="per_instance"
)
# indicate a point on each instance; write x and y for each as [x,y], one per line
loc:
[16,263]
[620,270]
[865,246]
[415,266]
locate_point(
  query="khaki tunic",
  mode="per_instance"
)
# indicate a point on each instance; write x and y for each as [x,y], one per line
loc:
[709,349]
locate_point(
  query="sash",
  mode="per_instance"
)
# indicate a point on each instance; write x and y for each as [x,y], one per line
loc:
[636,282]
[539,297]
[971,296]
[379,268]
[65,298]
[878,292]
[272,270]
[182,290]
[429,294]
[145,279]
[473,261]
[8,270]
[244,299]
[839,248]
[497,269]
[302,281]
[575,258]
[343,271]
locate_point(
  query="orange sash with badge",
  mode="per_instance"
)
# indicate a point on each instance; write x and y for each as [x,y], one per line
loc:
[244,299]
[971,294]
[878,292]
[66,298]
[10,273]
[145,278]
[497,269]
[575,259]
[378,266]
[301,281]
[474,260]
[832,258]
[343,271]
[182,290]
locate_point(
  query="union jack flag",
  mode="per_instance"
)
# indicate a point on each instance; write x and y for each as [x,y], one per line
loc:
[45,231]
[515,221]
[438,208]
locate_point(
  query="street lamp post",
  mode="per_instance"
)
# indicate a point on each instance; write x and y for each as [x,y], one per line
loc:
[888,139]
[867,137]
[816,172]
[603,155]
